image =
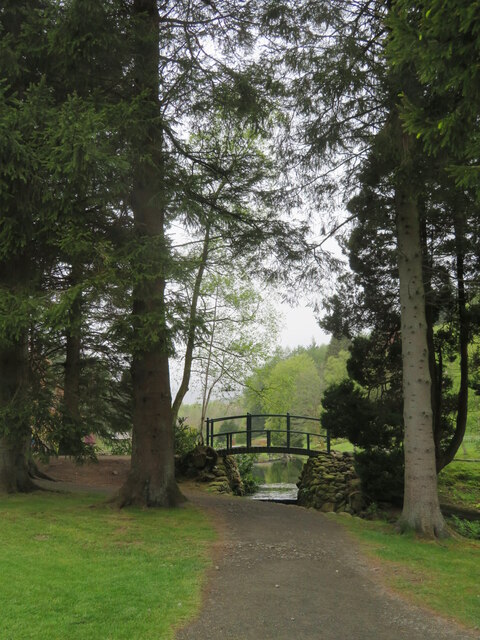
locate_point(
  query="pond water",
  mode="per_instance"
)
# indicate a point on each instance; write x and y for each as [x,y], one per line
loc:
[276,491]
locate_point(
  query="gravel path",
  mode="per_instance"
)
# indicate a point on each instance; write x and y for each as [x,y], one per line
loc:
[284,572]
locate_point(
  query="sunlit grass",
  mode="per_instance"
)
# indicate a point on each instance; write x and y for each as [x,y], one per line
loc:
[459,483]
[72,567]
[342,445]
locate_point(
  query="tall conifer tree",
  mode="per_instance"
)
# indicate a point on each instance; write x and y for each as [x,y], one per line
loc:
[347,97]
[24,101]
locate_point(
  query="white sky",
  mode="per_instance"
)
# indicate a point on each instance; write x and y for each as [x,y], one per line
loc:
[300,327]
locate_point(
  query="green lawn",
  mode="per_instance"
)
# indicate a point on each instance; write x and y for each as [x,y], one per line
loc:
[443,577]
[470,448]
[74,568]
[459,483]
[342,445]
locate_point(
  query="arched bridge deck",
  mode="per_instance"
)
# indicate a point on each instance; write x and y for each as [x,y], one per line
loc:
[267,440]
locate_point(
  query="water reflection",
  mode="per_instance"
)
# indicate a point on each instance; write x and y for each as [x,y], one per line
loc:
[285,470]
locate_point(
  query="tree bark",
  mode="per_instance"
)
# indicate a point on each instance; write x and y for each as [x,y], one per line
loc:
[151,481]
[70,442]
[15,430]
[436,370]
[14,471]
[421,509]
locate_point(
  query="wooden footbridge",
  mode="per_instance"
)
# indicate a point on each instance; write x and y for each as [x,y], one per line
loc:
[254,438]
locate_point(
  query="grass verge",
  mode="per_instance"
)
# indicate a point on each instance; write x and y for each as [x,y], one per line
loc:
[72,567]
[442,577]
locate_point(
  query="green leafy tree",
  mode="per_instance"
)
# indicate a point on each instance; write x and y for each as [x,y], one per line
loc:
[98,110]
[367,410]
[259,389]
[292,386]
[336,368]
[240,332]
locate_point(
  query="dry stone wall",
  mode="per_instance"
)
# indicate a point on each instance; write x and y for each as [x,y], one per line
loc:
[219,472]
[329,483]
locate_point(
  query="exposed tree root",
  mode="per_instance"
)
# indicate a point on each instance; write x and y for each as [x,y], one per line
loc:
[142,493]
[425,530]
[34,472]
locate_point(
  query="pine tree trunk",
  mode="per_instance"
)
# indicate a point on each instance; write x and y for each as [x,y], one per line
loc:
[15,432]
[14,469]
[151,481]
[436,370]
[421,510]
[70,442]
[71,396]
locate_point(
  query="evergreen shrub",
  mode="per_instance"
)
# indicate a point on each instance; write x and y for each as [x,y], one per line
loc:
[375,426]
[245,464]
[381,473]
[186,437]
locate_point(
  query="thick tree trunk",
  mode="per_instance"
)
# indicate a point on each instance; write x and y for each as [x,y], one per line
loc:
[71,397]
[14,430]
[421,510]
[436,370]
[71,440]
[151,481]
[14,469]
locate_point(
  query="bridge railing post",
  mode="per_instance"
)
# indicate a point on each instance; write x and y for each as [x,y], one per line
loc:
[308,442]
[208,431]
[288,431]
[328,440]
[269,439]
[249,430]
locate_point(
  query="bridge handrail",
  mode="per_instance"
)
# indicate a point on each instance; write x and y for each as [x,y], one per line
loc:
[264,415]
[233,433]
[210,423]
